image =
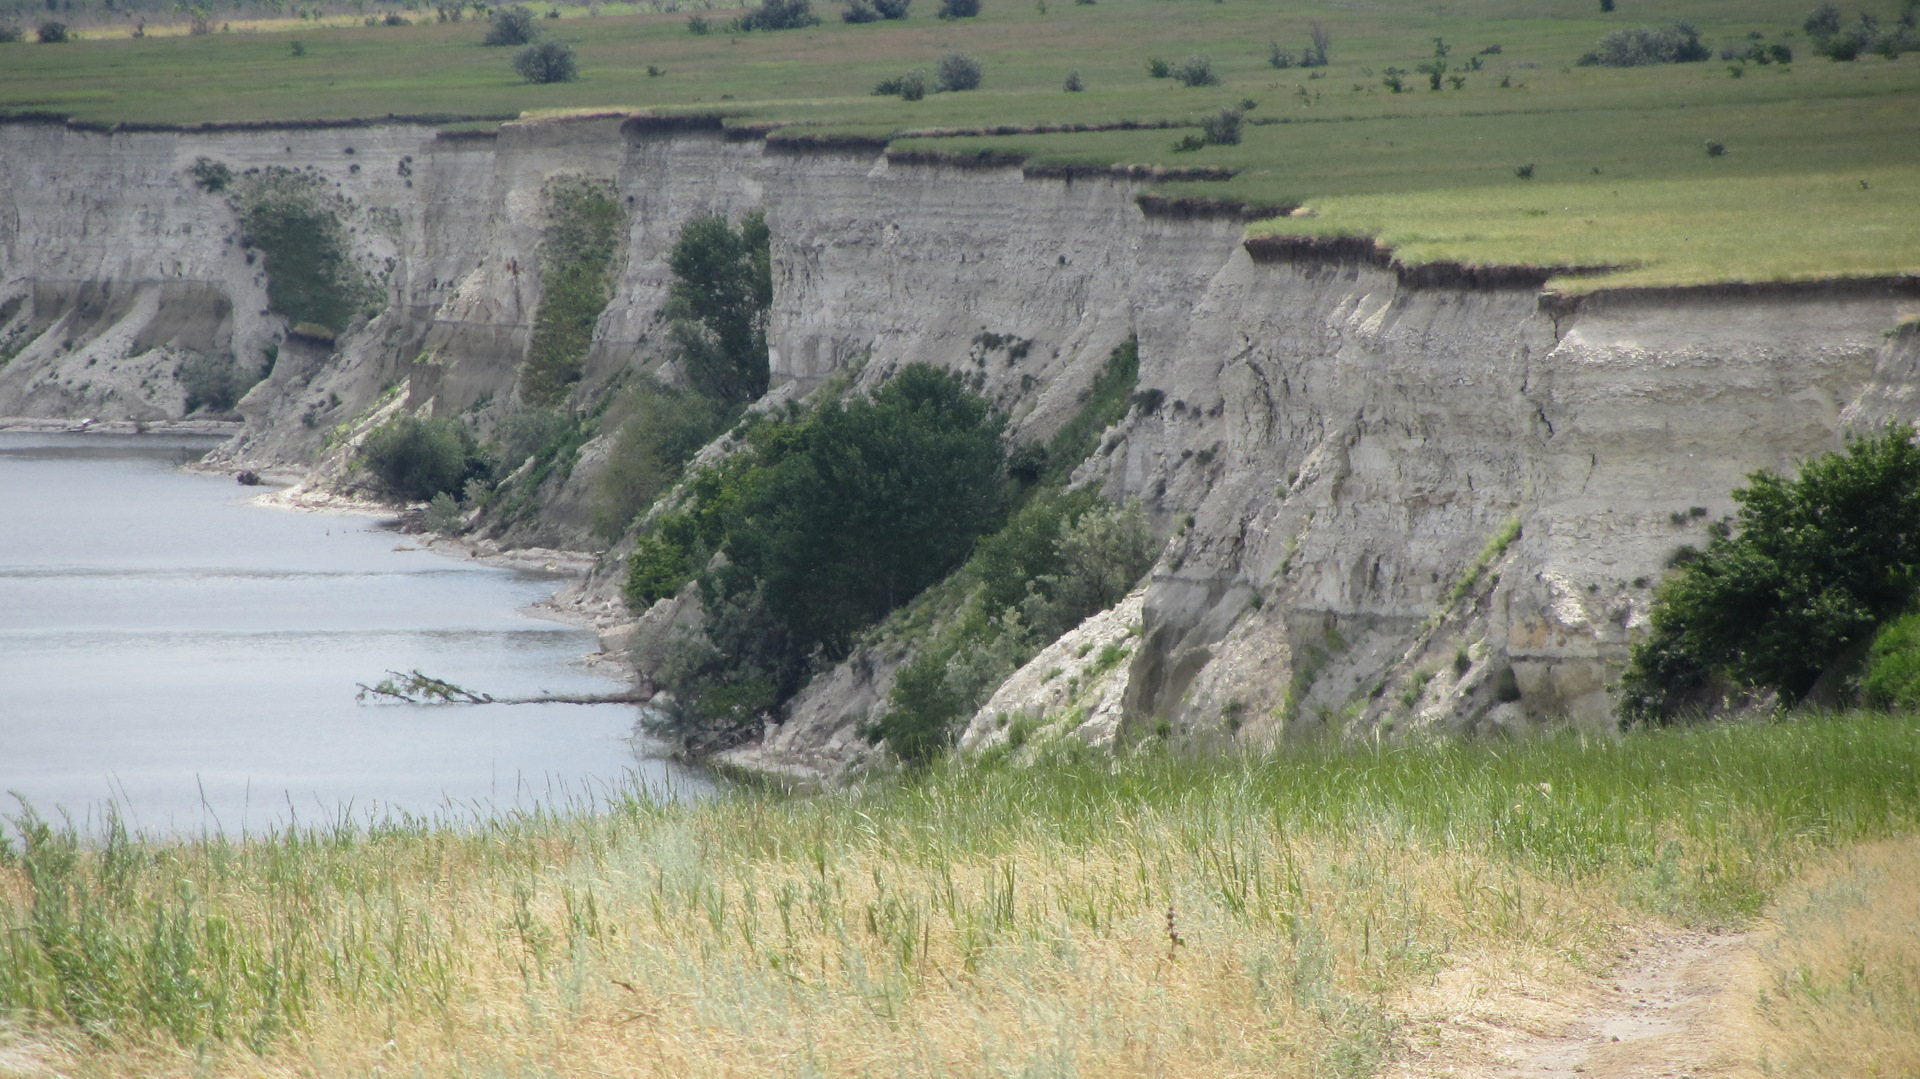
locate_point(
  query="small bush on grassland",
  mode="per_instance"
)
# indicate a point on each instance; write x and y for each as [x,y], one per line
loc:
[511,26]
[1195,71]
[547,62]
[1158,68]
[910,87]
[1279,57]
[1677,44]
[416,458]
[957,71]
[10,33]
[958,9]
[1074,85]
[1222,128]
[779,15]
[51,33]
[1823,20]
[859,11]
[1318,42]
[215,383]
[1817,565]
[698,25]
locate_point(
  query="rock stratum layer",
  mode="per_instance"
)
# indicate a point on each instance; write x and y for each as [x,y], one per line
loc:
[1392,499]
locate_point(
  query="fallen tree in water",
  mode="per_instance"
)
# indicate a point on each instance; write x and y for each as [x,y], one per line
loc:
[415,687]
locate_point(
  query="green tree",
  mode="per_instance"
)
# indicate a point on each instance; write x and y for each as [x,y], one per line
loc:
[723,285]
[416,458]
[1813,567]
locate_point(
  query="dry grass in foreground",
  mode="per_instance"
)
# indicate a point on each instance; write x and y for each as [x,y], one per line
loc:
[1157,916]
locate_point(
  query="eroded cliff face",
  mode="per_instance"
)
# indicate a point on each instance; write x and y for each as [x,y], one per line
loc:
[1331,449]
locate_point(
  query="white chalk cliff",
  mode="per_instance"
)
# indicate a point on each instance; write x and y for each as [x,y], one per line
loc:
[1335,440]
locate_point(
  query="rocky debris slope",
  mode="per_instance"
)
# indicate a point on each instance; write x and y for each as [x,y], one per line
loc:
[1390,500]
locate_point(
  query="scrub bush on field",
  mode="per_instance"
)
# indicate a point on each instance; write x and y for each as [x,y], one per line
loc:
[1222,128]
[9,33]
[547,62]
[860,11]
[958,9]
[416,459]
[51,33]
[1676,44]
[1195,71]
[910,87]
[957,71]
[1812,567]
[778,15]
[511,26]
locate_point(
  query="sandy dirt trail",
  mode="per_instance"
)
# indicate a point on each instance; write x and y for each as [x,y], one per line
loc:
[1675,1008]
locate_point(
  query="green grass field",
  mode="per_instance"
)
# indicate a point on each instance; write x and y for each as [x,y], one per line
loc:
[1304,914]
[1431,172]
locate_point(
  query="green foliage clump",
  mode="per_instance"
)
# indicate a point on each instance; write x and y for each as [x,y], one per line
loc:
[1222,128]
[957,71]
[723,285]
[661,431]
[415,458]
[777,15]
[1195,71]
[1676,44]
[1816,565]
[827,521]
[1106,404]
[9,33]
[1892,677]
[209,175]
[958,9]
[511,25]
[547,62]
[214,382]
[862,11]
[52,33]
[578,254]
[294,220]
[909,87]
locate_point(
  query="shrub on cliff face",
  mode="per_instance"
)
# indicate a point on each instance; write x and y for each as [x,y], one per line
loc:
[827,522]
[214,383]
[295,220]
[1812,568]
[723,285]
[579,250]
[416,459]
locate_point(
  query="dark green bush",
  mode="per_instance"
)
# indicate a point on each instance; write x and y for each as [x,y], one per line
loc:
[1318,43]
[1074,85]
[1822,21]
[209,175]
[579,250]
[547,62]
[512,25]
[1892,678]
[293,218]
[1158,68]
[1677,44]
[1279,57]
[910,87]
[415,459]
[958,9]
[1222,128]
[698,25]
[1195,71]
[892,9]
[51,33]
[859,11]
[1815,566]
[957,71]
[1106,404]
[9,33]
[779,15]
[723,285]
[662,430]
[213,382]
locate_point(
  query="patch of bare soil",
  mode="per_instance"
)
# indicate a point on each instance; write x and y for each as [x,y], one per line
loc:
[1674,1008]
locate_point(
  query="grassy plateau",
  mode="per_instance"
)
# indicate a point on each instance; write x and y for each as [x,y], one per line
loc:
[1307,914]
[1814,179]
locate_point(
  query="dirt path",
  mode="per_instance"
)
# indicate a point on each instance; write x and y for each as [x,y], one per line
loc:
[1673,1009]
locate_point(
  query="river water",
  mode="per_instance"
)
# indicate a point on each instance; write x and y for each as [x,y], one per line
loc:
[170,648]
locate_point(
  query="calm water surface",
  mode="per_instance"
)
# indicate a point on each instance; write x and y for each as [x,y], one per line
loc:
[193,658]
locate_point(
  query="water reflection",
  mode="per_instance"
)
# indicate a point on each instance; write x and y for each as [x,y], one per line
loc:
[167,644]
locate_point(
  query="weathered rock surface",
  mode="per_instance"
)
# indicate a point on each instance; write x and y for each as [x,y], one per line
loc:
[1328,445]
